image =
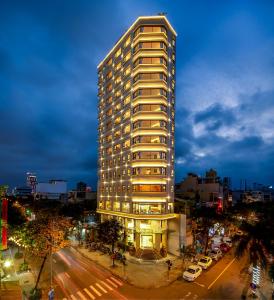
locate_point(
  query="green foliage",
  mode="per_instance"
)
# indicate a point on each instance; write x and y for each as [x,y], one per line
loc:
[18,255]
[15,215]
[43,235]
[255,241]
[35,294]
[24,267]
[109,232]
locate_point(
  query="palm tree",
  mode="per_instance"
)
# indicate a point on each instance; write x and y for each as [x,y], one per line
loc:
[255,241]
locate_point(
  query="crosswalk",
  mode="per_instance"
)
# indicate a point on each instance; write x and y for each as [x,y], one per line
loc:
[96,290]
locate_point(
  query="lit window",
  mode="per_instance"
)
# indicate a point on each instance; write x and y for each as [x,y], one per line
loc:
[127,71]
[126,114]
[127,100]
[127,85]
[127,41]
[127,57]
[127,129]
[118,53]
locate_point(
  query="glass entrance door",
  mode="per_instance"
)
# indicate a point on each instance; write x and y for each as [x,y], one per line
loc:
[146,241]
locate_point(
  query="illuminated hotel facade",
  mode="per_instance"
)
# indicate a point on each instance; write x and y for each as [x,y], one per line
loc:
[136,90]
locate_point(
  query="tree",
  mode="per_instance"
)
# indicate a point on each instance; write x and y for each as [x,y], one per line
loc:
[45,235]
[255,241]
[110,232]
[15,215]
[207,218]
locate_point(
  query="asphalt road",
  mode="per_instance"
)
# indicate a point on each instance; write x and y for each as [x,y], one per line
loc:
[76,277]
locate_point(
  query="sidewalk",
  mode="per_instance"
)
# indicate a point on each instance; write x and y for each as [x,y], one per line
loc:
[142,274]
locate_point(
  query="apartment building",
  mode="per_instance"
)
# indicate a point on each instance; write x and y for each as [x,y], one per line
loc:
[136,91]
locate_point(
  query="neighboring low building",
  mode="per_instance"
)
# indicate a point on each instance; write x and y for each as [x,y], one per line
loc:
[78,196]
[23,192]
[250,196]
[207,191]
[52,190]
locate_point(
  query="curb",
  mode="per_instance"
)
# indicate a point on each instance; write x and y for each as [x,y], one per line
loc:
[169,282]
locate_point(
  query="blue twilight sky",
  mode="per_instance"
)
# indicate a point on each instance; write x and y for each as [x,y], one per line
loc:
[49,51]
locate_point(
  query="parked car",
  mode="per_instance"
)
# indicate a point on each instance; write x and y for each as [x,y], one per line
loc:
[228,241]
[215,254]
[224,247]
[192,272]
[205,262]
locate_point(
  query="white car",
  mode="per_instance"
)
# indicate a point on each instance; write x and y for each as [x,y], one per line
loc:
[205,262]
[215,254]
[192,272]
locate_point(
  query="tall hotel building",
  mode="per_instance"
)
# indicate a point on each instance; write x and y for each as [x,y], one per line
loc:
[136,89]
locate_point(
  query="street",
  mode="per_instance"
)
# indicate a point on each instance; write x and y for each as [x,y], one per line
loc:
[76,277]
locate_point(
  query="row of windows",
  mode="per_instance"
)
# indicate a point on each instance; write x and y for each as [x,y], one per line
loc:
[150,45]
[150,139]
[150,76]
[149,155]
[117,174]
[149,124]
[149,29]
[149,92]
[150,107]
[150,61]
[117,188]
[148,171]
[137,208]
[116,161]
[143,188]
[146,155]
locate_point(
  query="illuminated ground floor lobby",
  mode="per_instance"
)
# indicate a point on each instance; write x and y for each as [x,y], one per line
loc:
[145,235]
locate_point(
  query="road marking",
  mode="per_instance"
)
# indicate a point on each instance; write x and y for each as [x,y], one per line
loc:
[81,295]
[221,273]
[72,297]
[54,260]
[117,281]
[101,288]
[115,285]
[96,291]
[188,294]
[67,274]
[200,284]
[105,284]
[89,293]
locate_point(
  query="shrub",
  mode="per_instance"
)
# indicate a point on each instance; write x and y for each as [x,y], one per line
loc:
[18,255]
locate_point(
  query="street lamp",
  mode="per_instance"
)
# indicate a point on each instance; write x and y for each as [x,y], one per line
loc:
[7,264]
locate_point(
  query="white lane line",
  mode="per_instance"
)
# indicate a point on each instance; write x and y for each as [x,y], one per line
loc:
[54,260]
[105,284]
[200,284]
[188,294]
[101,288]
[117,281]
[67,274]
[113,284]
[81,295]
[72,297]
[221,273]
[89,293]
[95,290]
